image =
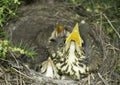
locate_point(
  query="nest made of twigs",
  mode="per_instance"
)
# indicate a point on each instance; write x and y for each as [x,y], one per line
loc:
[38,21]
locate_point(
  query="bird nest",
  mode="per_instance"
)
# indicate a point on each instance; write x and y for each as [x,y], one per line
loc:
[34,26]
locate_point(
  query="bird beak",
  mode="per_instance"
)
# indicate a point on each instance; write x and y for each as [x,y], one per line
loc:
[59,29]
[75,35]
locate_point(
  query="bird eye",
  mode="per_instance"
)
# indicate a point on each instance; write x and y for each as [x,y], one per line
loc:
[64,41]
[52,40]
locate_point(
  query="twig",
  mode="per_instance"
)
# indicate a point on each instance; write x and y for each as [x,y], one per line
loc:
[6,81]
[92,76]
[111,25]
[112,47]
[17,80]
[22,73]
[104,81]
[89,80]
[23,82]
[13,55]
[20,79]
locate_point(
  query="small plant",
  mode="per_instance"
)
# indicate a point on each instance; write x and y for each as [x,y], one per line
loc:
[8,9]
[5,47]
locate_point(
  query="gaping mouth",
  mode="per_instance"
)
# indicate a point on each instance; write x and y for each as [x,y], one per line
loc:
[75,35]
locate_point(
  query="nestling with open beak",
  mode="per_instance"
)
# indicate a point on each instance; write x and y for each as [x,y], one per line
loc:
[70,59]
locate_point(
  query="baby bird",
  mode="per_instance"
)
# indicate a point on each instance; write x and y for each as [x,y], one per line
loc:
[57,38]
[70,59]
[49,69]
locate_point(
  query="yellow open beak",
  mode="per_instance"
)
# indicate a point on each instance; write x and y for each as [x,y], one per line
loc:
[75,35]
[59,29]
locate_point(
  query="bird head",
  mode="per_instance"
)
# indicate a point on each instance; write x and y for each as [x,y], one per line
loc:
[59,29]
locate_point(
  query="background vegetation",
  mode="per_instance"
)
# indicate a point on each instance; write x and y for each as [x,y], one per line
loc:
[8,10]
